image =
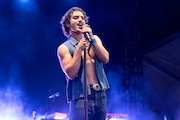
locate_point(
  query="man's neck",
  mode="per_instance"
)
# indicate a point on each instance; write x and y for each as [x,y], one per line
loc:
[77,36]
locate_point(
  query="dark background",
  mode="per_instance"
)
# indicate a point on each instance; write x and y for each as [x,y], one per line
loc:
[30,33]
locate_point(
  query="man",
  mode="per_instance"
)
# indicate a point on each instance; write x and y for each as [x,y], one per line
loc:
[71,57]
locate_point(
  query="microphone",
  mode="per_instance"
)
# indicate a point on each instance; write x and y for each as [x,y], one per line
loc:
[54,95]
[86,35]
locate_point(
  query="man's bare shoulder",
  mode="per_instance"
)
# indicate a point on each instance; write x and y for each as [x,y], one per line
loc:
[62,49]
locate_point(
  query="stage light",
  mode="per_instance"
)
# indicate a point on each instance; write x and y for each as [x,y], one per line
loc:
[57,116]
[116,116]
[24,1]
[117,119]
[25,6]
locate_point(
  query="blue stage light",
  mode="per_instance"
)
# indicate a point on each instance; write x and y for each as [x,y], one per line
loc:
[24,0]
[25,5]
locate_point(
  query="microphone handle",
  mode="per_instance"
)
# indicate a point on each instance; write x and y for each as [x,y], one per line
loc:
[86,35]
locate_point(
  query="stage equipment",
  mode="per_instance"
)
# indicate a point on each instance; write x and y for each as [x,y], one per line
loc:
[64,116]
[56,116]
[116,116]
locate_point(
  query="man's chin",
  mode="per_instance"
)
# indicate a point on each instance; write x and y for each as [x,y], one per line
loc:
[78,31]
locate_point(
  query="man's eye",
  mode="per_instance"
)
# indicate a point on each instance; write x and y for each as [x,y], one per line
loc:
[76,17]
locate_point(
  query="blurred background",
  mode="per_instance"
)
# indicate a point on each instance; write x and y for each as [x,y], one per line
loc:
[142,37]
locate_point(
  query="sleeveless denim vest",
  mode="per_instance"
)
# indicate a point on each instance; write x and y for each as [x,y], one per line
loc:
[75,88]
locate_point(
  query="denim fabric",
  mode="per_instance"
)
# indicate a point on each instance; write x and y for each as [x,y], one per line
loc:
[96,107]
[75,87]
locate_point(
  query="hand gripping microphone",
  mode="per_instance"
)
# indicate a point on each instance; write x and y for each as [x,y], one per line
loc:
[86,34]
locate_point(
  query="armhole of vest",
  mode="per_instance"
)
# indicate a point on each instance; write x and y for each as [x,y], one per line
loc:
[70,48]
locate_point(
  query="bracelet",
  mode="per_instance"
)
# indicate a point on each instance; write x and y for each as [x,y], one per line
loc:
[93,42]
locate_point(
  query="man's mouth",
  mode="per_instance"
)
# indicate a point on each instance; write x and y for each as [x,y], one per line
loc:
[80,25]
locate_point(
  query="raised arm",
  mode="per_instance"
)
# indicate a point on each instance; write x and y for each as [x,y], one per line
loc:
[71,64]
[100,51]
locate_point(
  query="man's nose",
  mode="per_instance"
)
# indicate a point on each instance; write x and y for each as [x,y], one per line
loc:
[81,18]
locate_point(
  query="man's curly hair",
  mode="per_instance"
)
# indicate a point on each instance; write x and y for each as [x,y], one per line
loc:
[65,21]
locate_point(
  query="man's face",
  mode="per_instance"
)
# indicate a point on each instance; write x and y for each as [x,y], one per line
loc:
[76,21]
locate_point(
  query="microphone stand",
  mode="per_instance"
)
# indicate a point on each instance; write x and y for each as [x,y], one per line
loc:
[85,82]
[34,115]
[85,87]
